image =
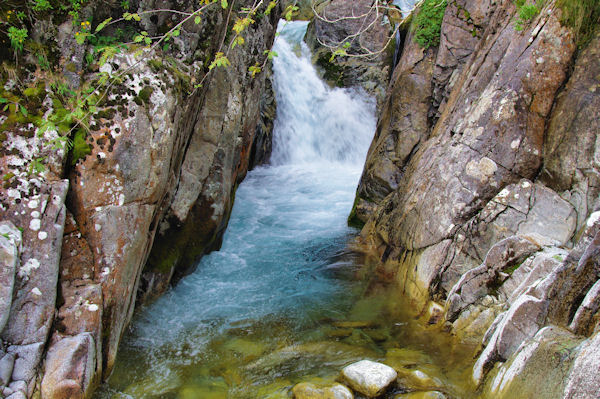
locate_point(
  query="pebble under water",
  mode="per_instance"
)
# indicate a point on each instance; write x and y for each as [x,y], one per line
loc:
[284,300]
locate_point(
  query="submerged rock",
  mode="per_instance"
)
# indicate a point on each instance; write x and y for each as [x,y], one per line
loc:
[306,390]
[421,395]
[369,378]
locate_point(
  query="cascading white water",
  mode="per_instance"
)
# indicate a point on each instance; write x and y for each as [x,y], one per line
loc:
[288,222]
[314,122]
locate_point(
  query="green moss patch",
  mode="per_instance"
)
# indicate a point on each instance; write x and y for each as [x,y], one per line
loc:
[427,24]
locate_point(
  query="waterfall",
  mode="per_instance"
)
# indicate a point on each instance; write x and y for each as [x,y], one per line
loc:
[314,122]
[287,227]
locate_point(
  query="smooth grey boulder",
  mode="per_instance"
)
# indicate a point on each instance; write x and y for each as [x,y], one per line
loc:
[369,378]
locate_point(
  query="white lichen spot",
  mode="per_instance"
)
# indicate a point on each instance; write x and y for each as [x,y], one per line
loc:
[32,204]
[13,193]
[35,214]
[29,266]
[35,224]
[593,219]
[105,272]
[515,144]
[93,307]
[482,169]
[539,60]
[525,184]
[121,199]
[97,227]
[42,235]
[102,155]
[503,194]
[36,291]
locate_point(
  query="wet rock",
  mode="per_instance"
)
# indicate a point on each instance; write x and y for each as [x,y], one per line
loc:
[537,369]
[521,322]
[70,368]
[369,378]
[400,358]
[311,356]
[420,378]
[307,390]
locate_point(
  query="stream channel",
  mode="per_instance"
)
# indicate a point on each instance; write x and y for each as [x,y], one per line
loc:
[284,300]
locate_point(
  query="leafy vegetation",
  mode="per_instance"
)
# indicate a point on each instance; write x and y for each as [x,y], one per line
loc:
[427,23]
[526,12]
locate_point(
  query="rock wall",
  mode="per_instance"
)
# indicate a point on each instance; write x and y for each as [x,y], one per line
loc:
[83,238]
[480,193]
[338,23]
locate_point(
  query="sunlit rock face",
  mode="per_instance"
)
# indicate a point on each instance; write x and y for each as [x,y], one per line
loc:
[480,187]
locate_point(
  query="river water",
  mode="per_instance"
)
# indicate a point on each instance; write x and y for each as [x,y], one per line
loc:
[284,300]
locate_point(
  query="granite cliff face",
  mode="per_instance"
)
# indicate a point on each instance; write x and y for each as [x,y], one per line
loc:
[81,242]
[480,193]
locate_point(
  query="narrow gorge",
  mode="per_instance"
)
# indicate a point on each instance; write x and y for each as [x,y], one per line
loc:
[299,199]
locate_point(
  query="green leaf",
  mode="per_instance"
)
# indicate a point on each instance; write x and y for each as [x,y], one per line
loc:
[136,17]
[224,3]
[80,39]
[3,100]
[23,110]
[197,20]
[102,25]
[270,7]
[138,38]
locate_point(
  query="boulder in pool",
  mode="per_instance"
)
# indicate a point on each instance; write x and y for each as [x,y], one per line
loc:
[369,378]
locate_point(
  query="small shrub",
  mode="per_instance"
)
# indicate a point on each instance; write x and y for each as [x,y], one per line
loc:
[17,37]
[427,24]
